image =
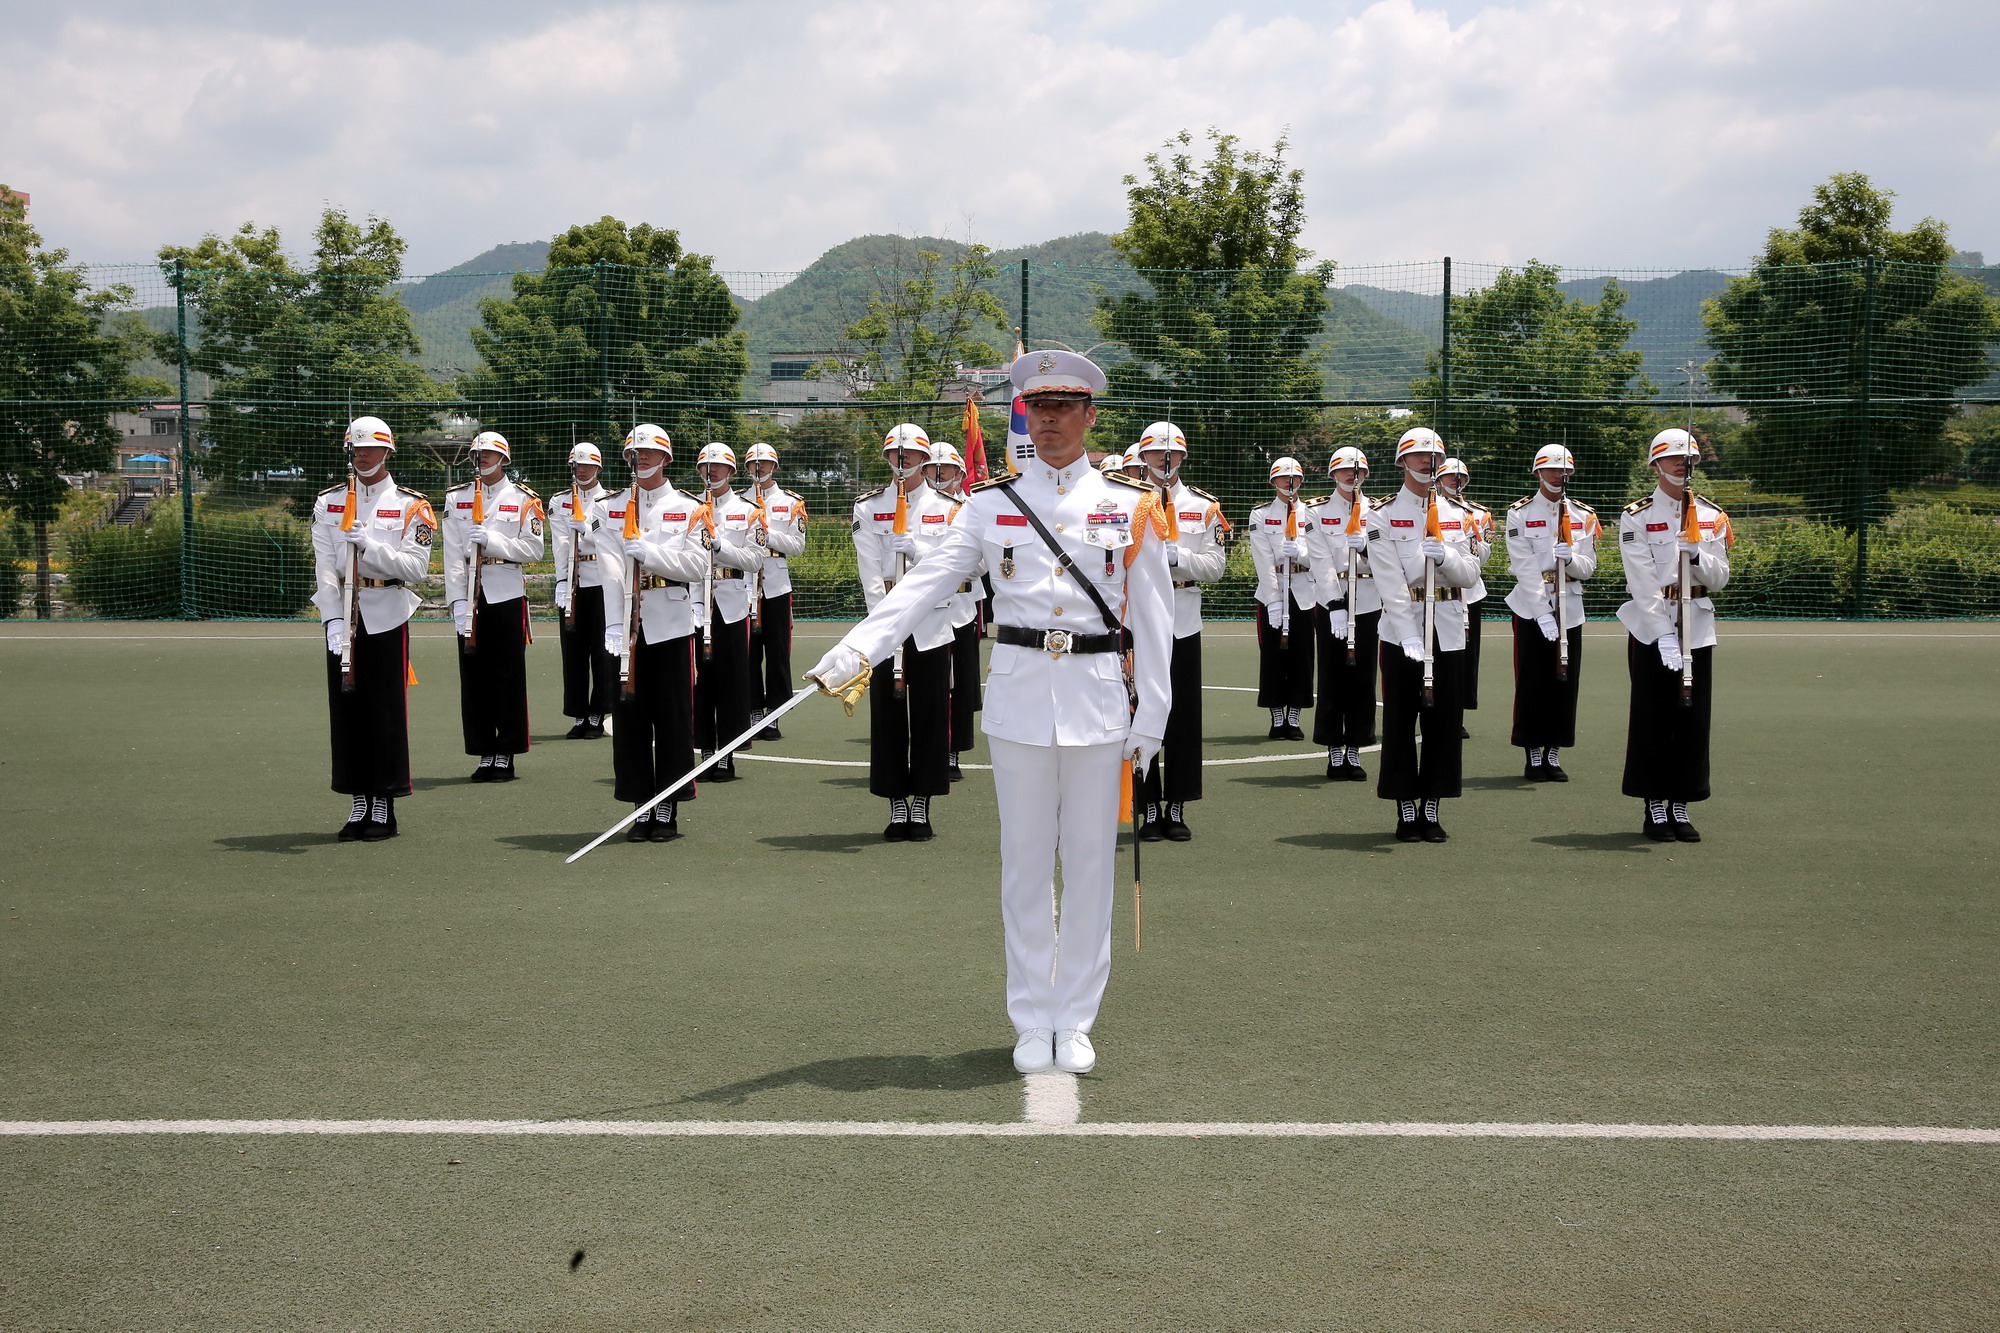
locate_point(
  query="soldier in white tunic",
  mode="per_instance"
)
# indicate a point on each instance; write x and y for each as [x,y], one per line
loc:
[1336,538]
[781,531]
[1476,535]
[1062,719]
[1289,599]
[722,683]
[496,522]
[589,673]
[1551,551]
[948,476]
[1671,537]
[372,542]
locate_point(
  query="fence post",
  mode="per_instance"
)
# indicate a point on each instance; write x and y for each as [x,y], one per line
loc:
[1024,305]
[187,444]
[1444,359]
[604,349]
[1864,445]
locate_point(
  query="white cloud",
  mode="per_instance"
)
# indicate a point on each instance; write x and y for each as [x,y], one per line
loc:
[1649,134]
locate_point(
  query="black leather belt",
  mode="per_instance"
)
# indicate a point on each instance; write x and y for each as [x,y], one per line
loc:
[495,560]
[1439,594]
[1672,592]
[584,558]
[1060,642]
[381,583]
[651,581]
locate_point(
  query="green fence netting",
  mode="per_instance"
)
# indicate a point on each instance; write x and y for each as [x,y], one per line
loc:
[1851,418]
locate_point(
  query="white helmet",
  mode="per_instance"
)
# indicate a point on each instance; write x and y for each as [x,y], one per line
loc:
[1287,467]
[585,453]
[716,453]
[1454,467]
[909,435]
[372,431]
[1553,455]
[1348,456]
[1111,463]
[760,453]
[1419,440]
[1673,443]
[944,453]
[1162,435]
[494,440]
[648,436]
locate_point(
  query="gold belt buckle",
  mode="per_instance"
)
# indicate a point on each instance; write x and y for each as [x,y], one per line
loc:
[1056,641]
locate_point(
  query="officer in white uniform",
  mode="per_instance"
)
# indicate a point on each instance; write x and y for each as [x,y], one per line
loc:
[909,713]
[1401,545]
[589,673]
[498,522]
[1196,554]
[1551,552]
[948,476]
[1284,638]
[1476,537]
[723,685]
[389,540]
[1666,743]
[660,563]
[781,531]
[1059,720]
[1336,538]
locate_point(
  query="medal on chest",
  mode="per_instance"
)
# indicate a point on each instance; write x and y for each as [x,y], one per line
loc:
[1007,562]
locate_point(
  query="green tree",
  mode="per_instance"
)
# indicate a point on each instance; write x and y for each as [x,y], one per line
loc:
[1841,308]
[623,326]
[65,366]
[1221,342]
[918,333]
[295,353]
[1523,352]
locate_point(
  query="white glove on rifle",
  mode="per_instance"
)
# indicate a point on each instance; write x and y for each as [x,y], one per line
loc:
[1413,649]
[635,549]
[1433,549]
[336,634]
[1293,549]
[904,544]
[1336,619]
[1547,624]
[1147,747]
[1670,651]
[356,536]
[461,617]
[581,522]
[1690,548]
[562,594]
[1173,550]
[1356,541]
[840,665]
[614,638]
[477,535]
[1564,552]
[1481,549]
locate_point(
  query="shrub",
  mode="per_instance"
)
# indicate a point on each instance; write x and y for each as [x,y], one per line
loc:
[255,564]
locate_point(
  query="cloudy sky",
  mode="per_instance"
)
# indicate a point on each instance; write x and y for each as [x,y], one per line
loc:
[1642,133]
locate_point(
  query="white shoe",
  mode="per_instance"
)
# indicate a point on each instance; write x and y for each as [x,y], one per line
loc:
[1034,1051]
[1074,1053]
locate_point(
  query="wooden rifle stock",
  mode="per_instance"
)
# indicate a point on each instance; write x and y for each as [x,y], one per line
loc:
[477,553]
[1563,534]
[351,600]
[901,527]
[626,684]
[575,544]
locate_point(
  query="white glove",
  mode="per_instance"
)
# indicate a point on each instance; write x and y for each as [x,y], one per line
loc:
[1146,747]
[1547,624]
[904,544]
[1433,549]
[1413,649]
[581,522]
[1356,541]
[635,549]
[356,536]
[336,634]
[1564,552]
[1293,549]
[461,617]
[477,535]
[840,665]
[1277,610]
[1690,548]
[1670,651]
[562,594]
[1336,619]
[1481,549]
[1173,550]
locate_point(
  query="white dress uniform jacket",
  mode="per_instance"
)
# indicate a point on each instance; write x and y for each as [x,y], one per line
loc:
[1649,533]
[513,516]
[1532,524]
[1198,527]
[1396,538]
[734,529]
[928,513]
[1035,697]
[401,534]
[563,537]
[675,561]
[1267,539]
[1326,549]
[784,528]
[964,602]
[1477,537]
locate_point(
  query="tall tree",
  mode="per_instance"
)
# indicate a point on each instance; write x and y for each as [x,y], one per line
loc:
[295,353]
[919,332]
[623,326]
[1838,310]
[65,366]
[1220,342]
[1523,352]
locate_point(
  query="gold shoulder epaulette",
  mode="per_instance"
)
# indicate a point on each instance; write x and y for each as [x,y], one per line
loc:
[1196,490]
[998,479]
[1578,504]
[1523,500]
[869,495]
[418,495]
[794,494]
[528,491]
[1475,505]
[1120,479]
[1639,506]
[339,486]
[1317,501]
[1703,499]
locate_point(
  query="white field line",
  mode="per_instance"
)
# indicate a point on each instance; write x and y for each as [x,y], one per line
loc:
[1362,1129]
[1050,1099]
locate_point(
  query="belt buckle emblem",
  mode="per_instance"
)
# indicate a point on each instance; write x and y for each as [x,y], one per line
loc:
[1057,641]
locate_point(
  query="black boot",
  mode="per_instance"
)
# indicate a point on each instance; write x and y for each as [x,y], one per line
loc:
[640,829]
[666,821]
[1552,766]
[1432,830]
[357,820]
[484,773]
[1678,817]
[920,819]
[1654,823]
[951,768]
[1408,828]
[503,769]
[1537,769]
[381,824]
[1149,827]
[1176,827]
[899,821]
[1355,772]
[579,731]
[595,723]
[1336,765]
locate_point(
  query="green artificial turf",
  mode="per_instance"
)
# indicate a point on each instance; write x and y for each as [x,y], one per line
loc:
[181,937]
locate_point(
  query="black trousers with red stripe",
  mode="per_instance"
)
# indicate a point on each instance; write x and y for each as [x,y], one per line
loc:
[1469,686]
[1666,744]
[964,683]
[493,680]
[1410,772]
[722,685]
[590,674]
[1285,671]
[652,732]
[908,737]
[771,680]
[1346,714]
[1544,707]
[371,727]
